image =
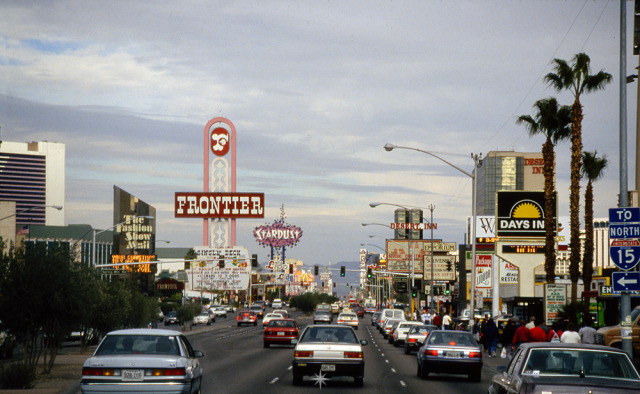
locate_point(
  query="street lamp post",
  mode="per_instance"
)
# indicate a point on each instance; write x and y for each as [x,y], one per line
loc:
[474,176]
[58,207]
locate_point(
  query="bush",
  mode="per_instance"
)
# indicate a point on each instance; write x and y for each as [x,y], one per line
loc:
[17,376]
[188,311]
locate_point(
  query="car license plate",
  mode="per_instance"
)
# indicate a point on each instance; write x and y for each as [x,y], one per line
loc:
[281,333]
[454,354]
[328,367]
[132,374]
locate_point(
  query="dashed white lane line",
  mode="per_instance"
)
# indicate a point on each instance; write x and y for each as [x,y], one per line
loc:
[290,368]
[274,380]
[386,361]
[393,370]
[403,384]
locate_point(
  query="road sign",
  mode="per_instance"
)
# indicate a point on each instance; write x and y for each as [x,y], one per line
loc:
[624,225]
[626,281]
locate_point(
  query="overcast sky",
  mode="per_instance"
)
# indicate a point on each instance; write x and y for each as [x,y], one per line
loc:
[315,90]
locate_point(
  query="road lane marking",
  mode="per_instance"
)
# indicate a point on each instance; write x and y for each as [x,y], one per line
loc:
[274,380]
[393,370]
[290,368]
[403,384]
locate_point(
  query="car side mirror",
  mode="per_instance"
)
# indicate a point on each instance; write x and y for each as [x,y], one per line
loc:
[364,342]
[198,353]
[501,368]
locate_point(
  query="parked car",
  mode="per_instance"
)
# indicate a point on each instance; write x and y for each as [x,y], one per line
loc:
[330,350]
[572,368]
[322,316]
[270,316]
[202,318]
[446,351]
[281,331]
[349,319]
[400,333]
[247,317]
[143,360]
[171,318]
[416,336]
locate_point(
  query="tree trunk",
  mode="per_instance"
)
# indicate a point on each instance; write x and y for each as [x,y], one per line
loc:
[549,228]
[574,197]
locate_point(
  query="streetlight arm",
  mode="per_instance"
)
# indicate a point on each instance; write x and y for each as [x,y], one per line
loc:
[389,147]
[58,207]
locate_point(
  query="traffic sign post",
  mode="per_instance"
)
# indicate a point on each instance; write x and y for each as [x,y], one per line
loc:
[626,281]
[624,230]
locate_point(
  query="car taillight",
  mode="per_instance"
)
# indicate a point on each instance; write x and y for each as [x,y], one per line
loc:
[167,372]
[431,352]
[353,355]
[303,353]
[452,343]
[475,354]
[412,340]
[86,371]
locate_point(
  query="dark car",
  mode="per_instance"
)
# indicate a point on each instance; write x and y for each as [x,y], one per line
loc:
[258,309]
[549,366]
[322,317]
[446,351]
[171,318]
[359,311]
[374,318]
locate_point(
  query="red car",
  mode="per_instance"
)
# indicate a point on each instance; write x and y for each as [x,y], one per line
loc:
[247,317]
[280,331]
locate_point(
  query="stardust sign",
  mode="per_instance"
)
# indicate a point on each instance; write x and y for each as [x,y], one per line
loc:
[277,235]
[219,205]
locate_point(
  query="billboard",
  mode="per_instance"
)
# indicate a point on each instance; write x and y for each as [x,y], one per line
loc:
[521,214]
[209,275]
[133,234]
[211,205]
[399,253]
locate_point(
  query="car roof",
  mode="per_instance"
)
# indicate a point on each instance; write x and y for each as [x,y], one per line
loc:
[144,331]
[556,345]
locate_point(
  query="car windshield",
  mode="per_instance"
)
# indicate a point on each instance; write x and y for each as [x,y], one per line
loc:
[322,313]
[138,344]
[579,362]
[329,334]
[282,323]
[349,315]
[452,338]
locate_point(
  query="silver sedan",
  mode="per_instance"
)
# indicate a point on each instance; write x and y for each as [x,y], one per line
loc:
[143,360]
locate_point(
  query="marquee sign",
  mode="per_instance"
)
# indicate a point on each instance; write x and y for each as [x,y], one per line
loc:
[277,235]
[219,205]
[521,214]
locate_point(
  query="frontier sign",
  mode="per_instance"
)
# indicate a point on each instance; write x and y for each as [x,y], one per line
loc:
[219,205]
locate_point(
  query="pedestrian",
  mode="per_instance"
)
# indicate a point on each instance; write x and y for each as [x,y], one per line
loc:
[436,320]
[490,337]
[532,323]
[587,332]
[554,333]
[570,335]
[537,334]
[446,322]
[507,336]
[423,316]
[521,335]
[428,318]
[476,329]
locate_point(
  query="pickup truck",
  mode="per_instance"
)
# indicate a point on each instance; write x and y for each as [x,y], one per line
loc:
[610,336]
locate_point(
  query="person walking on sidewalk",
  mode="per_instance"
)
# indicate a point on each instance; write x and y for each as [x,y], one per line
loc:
[521,335]
[507,336]
[490,336]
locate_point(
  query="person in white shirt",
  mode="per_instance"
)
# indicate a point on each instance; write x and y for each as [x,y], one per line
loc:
[446,322]
[570,335]
[587,333]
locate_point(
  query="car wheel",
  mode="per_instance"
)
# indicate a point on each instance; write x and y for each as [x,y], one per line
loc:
[475,376]
[424,372]
[297,380]
[266,344]
[356,327]
[406,349]
[419,370]
[358,380]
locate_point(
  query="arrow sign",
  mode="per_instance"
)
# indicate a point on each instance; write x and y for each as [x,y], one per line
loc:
[626,281]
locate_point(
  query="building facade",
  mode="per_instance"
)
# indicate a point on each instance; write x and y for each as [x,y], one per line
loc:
[33,175]
[507,170]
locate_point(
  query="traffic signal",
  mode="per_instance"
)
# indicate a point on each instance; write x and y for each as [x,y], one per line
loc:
[347,285]
[291,268]
[369,272]
[221,263]
[446,290]
[315,270]
[254,260]
[342,270]
[414,293]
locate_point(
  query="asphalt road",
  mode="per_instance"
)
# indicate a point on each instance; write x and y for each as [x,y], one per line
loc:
[236,362]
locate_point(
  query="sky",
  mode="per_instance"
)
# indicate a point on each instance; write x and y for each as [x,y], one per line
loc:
[315,90]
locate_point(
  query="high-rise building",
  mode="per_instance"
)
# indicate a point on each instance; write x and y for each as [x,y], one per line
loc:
[507,170]
[408,216]
[33,175]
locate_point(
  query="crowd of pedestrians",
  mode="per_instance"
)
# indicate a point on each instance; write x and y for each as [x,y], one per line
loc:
[486,332]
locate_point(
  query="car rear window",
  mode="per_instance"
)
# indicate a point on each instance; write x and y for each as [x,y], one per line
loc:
[138,344]
[282,323]
[573,362]
[246,314]
[329,334]
[454,338]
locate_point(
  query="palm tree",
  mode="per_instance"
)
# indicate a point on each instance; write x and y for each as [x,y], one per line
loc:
[592,169]
[577,79]
[552,121]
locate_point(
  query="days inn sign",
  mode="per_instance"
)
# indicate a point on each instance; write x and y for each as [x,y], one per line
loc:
[521,214]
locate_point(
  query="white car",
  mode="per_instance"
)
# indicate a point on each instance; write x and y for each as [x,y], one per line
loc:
[219,311]
[349,319]
[328,350]
[277,303]
[202,318]
[400,333]
[270,316]
[144,361]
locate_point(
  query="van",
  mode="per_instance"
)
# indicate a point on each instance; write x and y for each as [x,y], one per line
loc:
[386,314]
